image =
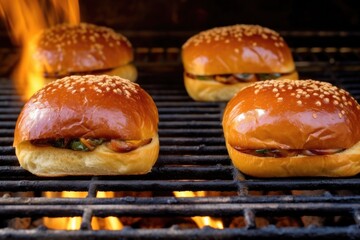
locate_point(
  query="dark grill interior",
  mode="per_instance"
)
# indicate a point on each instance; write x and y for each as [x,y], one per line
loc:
[193,157]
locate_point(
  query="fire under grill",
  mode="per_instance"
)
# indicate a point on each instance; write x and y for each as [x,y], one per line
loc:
[192,157]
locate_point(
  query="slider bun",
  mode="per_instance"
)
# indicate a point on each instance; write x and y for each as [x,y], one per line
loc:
[90,106]
[207,90]
[237,49]
[65,49]
[51,161]
[293,114]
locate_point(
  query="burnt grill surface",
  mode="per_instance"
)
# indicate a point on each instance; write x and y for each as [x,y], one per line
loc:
[192,157]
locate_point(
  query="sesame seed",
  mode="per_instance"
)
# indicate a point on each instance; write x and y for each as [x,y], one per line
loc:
[299,102]
[314,115]
[318,103]
[280,99]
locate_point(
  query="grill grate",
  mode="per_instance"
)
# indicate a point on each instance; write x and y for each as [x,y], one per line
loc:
[192,157]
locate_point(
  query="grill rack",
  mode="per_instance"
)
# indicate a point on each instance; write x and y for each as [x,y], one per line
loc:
[192,157]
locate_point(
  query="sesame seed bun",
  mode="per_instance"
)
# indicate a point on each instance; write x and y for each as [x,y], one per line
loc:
[233,50]
[293,115]
[91,107]
[66,49]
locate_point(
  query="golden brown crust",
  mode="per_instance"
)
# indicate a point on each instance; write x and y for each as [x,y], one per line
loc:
[237,49]
[50,161]
[343,164]
[65,49]
[127,71]
[292,114]
[205,90]
[90,106]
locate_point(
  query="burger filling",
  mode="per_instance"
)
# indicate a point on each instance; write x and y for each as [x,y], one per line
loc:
[279,153]
[89,144]
[238,77]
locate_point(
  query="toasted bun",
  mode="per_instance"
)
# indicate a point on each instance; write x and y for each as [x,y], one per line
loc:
[51,162]
[127,71]
[90,106]
[343,164]
[201,90]
[292,114]
[65,49]
[237,49]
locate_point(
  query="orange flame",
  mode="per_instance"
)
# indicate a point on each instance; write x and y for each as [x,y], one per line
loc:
[74,223]
[201,221]
[111,223]
[25,19]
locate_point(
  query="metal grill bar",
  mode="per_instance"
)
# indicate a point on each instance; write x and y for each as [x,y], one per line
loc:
[270,232]
[221,210]
[142,185]
[299,199]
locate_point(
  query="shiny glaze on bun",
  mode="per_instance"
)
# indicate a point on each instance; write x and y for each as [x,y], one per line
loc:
[292,114]
[237,49]
[90,106]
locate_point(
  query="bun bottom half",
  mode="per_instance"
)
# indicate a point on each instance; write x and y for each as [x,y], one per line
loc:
[207,90]
[128,71]
[343,164]
[52,162]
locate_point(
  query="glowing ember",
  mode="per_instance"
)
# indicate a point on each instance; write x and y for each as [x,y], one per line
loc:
[201,221]
[25,20]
